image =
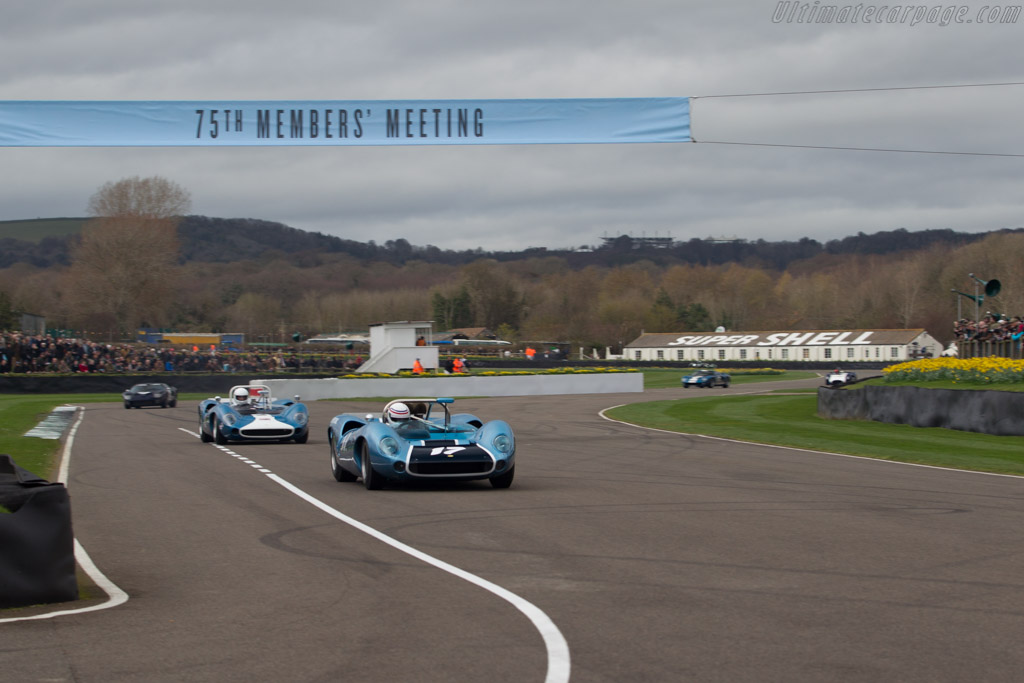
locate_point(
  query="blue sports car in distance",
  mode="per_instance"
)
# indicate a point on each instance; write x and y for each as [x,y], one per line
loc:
[250,414]
[419,439]
[706,378]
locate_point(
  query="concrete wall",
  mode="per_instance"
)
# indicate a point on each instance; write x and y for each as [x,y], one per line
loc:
[522,385]
[987,412]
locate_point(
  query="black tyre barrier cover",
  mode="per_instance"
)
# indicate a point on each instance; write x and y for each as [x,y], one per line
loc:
[37,554]
[988,412]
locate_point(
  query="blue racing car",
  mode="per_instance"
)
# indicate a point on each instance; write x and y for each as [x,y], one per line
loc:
[419,439]
[706,379]
[250,414]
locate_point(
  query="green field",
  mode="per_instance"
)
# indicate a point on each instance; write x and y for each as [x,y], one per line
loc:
[792,420]
[18,414]
[33,230]
[21,412]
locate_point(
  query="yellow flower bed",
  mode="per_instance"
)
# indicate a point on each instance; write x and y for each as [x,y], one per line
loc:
[992,370]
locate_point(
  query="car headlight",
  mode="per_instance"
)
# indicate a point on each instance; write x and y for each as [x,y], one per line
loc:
[230,419]
[503,443]
[301,419]
[389,446]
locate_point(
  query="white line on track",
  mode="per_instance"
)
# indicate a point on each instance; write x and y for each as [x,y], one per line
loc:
[115,596]
[554,641]
[559,663]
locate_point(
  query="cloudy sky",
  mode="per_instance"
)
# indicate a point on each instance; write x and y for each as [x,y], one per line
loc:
[514,197]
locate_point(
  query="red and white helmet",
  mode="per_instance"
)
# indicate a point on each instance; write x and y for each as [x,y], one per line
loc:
[398,412]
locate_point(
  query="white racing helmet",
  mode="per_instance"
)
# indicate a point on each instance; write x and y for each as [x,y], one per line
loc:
[241,395]
[398,412]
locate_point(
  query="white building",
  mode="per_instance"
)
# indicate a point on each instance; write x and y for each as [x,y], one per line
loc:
[823,346]
[394,347]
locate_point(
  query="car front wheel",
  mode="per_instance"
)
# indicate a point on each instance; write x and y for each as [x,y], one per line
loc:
[504,480]
[371,480]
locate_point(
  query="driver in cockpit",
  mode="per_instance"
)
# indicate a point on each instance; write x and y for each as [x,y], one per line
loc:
[398,415]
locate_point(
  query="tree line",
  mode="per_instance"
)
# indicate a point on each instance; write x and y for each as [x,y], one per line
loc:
[137,263]
[225,240]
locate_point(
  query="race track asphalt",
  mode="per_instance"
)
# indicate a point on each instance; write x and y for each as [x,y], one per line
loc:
[659,557]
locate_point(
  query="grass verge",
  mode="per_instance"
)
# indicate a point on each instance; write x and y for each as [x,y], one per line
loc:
[21,412]
[792,420]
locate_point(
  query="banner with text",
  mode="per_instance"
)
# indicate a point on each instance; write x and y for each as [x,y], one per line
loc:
[342,122]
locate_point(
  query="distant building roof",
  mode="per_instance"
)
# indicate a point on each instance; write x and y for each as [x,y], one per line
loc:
[340,338]
[642,241]
[405,323]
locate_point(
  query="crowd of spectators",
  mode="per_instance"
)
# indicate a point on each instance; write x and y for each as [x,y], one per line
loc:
[24,353]
[991,328]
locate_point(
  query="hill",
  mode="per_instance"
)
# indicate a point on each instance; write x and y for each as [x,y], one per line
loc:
[36,229]
[45,242]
